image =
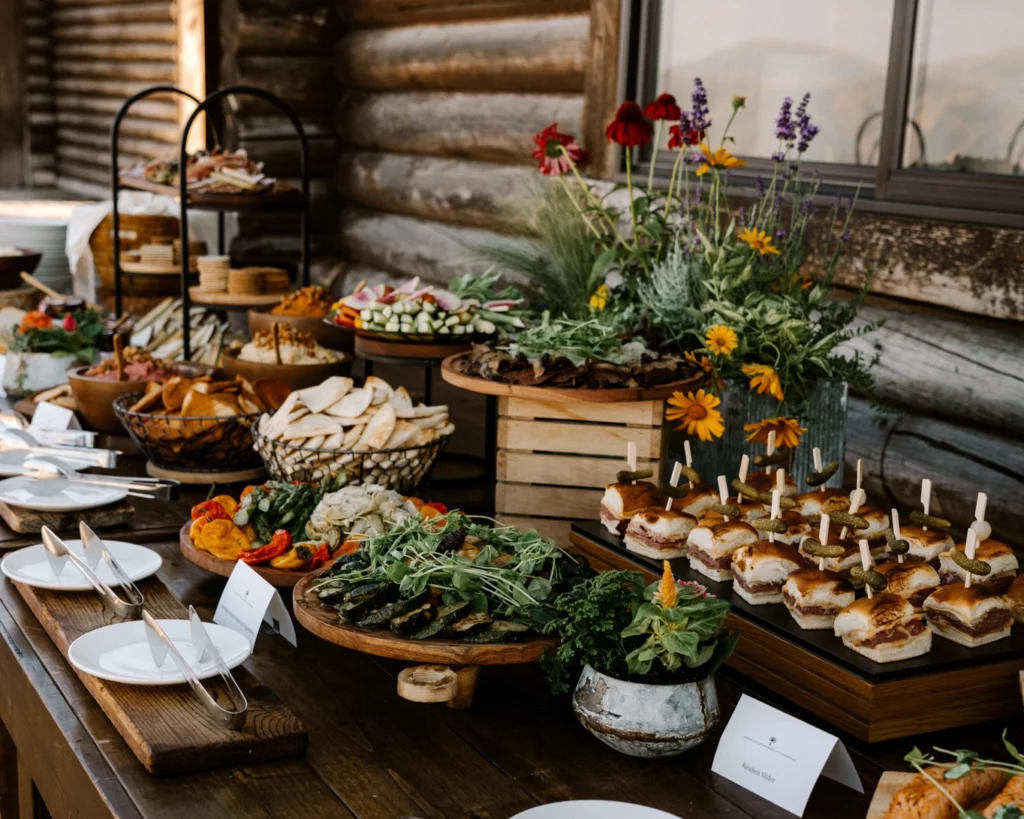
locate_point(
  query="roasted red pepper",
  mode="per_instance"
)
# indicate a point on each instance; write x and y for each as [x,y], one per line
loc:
[210,509]
[280,543]
[440,507]
[322,556]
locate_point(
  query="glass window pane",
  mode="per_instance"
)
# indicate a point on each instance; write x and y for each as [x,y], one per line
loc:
[837,51]
[966,102]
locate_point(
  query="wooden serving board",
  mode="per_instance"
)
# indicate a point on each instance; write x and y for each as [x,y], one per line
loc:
[323,622]
[204,560]
[219,299]
[28,521]
[412,350]
[166,726]
[816,671]
[474,383]
[890,782]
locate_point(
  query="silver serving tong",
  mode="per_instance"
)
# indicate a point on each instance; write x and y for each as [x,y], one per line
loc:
[23,441]
[161,645]
[58,554]
[12,419]
[43,467]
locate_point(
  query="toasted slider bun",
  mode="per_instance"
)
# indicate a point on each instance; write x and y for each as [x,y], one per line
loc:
[711,547]
[1011,794]
[697,501]
[759,570]
[920,799]
[971,617]
[842,565]
[1014,598]
[911,581]
[812,505]
[815,597]
[751,510]
[998,555]
[659,533]
[798,528]
[884,628]
[878,522]
[765,482]
[925,544]
[623,500]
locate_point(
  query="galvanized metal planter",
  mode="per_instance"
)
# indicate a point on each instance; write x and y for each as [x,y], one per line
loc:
[646,721]
[825,420]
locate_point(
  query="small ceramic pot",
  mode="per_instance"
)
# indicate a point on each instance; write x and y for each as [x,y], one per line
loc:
[26,373]
[643,720]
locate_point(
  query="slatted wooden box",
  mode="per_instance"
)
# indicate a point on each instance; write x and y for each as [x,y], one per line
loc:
[555,458]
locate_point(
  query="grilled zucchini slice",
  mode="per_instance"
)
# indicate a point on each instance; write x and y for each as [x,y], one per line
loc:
[380,617]
[502,631]
[413,620]
[470,623]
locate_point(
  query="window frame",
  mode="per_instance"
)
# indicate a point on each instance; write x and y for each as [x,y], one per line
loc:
[886,188]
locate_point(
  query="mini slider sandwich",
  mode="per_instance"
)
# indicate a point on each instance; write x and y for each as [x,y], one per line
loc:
[812,505]
[878,523]
[814,597]
[1000,558]
[659,533]
[760,569]
[911,581]
[1014,598]
[884,628]
[711,547]
[766,482]
[623,500]
[844,564]
[797,528]
[971,616]
[925,544]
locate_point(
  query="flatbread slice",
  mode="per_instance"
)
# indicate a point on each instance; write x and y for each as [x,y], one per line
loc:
[331,391]
[352,405]
[400,399]
[403,434]
[381,389]
[309,426]
[377,432]
[420,411]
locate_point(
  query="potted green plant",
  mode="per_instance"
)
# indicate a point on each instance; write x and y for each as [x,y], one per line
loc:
[43,348]
[649,654]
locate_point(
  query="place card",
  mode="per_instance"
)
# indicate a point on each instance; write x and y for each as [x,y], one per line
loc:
[52,417]
[247,601]
[779,757]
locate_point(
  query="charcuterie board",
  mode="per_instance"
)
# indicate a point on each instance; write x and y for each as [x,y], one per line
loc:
[283,579]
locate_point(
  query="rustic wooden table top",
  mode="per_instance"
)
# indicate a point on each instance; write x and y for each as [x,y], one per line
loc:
[371,754]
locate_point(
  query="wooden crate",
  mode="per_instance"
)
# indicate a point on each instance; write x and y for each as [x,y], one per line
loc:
[555,458]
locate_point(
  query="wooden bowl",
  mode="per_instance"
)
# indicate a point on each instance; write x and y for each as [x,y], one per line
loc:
[11,267]
[325,335]
[95,396]
[296,376]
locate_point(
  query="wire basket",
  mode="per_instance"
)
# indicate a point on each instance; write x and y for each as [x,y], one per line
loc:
[190,442]
[399,469]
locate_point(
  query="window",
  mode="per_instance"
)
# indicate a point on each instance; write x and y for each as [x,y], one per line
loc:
[920,102]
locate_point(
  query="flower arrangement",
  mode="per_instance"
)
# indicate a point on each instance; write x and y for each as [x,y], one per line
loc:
[670,631]
[75,333]
[744,292]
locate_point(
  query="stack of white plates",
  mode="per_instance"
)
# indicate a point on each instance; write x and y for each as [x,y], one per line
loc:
[46,236]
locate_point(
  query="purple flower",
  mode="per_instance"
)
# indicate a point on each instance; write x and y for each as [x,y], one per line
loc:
[777,205]
[741,217]
[778,156]
[784,126]
[759,184]
[781,234]
[808,130]
[845,235]
[699,120]
[805,206]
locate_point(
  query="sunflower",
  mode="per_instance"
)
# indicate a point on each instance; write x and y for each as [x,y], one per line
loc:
[787,431]
[719,158]
[697,413]
[721,340]
[668,594]
[764,379]
[759,240]
[600,298]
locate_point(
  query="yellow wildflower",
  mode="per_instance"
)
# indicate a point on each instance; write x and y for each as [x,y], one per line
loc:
[697,413]
[759,240]
[787,432]
[764,379]
[600,298]
[703,362]
[719,158]
[721,340]
[668,594]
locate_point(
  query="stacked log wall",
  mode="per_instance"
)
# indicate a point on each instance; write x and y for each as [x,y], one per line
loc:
[42,115]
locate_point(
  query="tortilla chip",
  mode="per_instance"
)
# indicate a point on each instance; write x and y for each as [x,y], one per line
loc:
[174,392]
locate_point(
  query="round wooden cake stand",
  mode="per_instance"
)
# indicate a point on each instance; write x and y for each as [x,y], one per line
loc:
[406,350]
[209,298]
[253,473]
[464,659]
[282,578]
[474,383]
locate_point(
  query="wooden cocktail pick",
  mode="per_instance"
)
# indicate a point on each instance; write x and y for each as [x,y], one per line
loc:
[926,498]
[894,517]
[982,527]
[673,481]
[780,479]
[970,549]
[723,494]
[119,355]
[823,538]
[689,457]
[631,457]
[744,469]
[771,451]
[816,455]
[856,499]
[276,331]
[776,495]
[865,562]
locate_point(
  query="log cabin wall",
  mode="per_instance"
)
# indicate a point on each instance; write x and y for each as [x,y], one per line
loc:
[42,113]
[440,100]
[285,46]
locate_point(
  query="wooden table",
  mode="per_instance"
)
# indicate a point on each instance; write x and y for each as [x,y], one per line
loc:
[371,753]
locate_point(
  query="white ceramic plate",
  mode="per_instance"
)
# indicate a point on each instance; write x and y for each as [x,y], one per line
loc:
[56,494]
[30,566]
[120,652]
[593,809]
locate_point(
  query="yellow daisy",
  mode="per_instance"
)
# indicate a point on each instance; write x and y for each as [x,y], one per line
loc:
[764,379]
[787,431]
[719,158]
[721,340]
[668,594]
[600,298]
[697,413]
[703,362]
[759,240]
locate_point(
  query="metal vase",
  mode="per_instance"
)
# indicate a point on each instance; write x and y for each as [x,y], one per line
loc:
[824,418]
[646,721]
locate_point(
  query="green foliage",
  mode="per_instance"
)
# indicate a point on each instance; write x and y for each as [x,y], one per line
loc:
[483,287]
[687,634]
[562,266]
[578,341]
[82,342]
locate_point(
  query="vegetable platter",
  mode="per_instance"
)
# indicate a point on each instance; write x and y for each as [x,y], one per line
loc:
[284,530]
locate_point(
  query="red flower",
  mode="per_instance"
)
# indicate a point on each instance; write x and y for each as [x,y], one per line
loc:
[69,324]
[664,107]
[680,135]
[553,162]
[629,128]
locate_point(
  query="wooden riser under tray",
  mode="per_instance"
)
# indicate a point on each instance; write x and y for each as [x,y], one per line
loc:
[166,726]
[948,687]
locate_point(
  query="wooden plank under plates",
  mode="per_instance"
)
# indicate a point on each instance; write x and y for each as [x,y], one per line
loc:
[166,726]
[872,701]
